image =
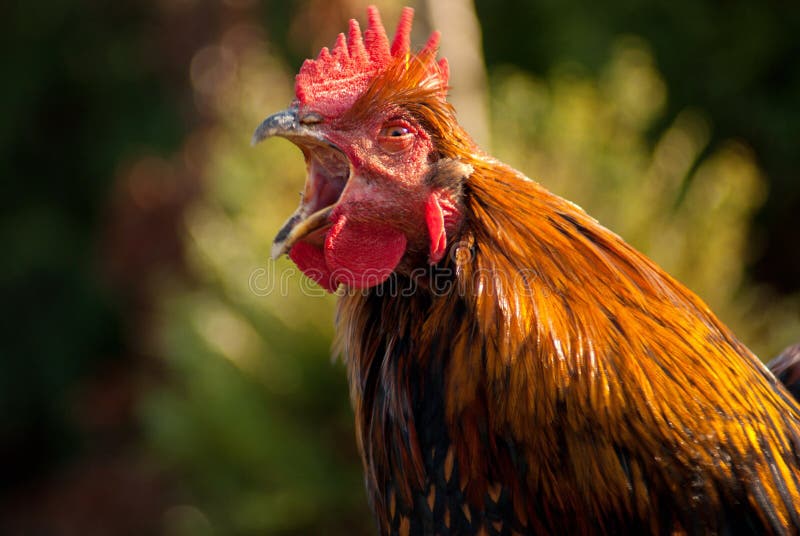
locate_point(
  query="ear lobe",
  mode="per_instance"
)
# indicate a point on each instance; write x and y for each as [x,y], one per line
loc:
[441,207]
[434,219]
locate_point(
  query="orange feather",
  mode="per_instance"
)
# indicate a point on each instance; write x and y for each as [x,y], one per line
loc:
[580,387]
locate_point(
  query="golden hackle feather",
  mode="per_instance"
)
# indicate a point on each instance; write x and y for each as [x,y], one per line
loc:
[561,350]
[615,384]
[614,353]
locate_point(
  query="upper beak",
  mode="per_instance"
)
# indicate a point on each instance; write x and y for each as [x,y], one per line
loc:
[285,124]
[305,219]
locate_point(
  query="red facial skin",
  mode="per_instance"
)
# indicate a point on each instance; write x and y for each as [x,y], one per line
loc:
[387,211]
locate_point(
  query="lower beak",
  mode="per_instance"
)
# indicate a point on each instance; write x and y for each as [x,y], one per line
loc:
[297,227]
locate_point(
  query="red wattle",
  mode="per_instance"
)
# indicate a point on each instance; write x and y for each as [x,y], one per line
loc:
[311,261]
[362,255]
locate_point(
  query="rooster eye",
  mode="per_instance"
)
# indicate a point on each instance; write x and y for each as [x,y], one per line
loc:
[396,137]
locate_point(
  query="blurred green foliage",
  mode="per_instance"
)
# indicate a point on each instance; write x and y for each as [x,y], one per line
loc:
[738,61]
[79,96]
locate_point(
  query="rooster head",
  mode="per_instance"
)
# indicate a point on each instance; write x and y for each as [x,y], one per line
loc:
[383,189]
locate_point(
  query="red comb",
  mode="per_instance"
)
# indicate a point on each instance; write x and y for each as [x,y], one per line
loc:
[332,82]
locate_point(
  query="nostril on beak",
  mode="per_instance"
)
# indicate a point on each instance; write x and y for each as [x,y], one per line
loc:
[311,118]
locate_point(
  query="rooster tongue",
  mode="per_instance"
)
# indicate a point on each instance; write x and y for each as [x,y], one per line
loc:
[327,177]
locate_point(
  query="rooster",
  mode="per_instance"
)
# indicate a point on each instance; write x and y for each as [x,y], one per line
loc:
[514,367]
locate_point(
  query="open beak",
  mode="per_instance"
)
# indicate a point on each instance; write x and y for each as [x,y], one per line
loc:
[328,171]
